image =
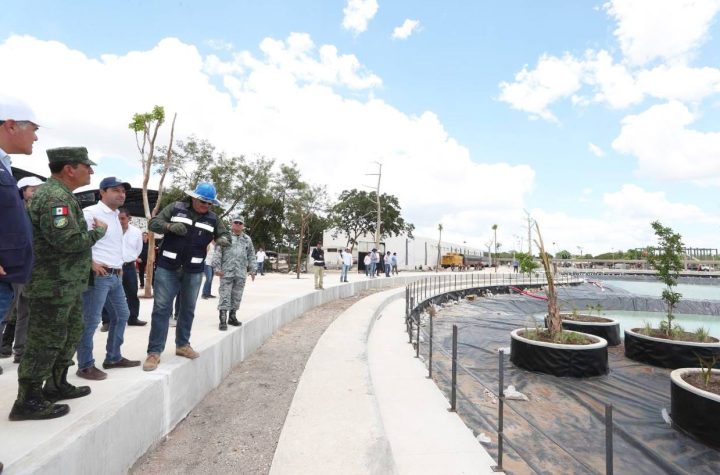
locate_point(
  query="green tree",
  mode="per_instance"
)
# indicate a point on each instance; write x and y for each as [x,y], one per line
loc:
[667,259]
[563,255]
[303,206]
[527,262]
[355,211]
[243,186]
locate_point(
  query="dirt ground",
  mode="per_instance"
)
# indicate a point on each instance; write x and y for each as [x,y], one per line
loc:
[236,428]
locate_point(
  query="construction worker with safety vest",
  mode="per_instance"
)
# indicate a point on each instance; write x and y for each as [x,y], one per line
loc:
[188,227]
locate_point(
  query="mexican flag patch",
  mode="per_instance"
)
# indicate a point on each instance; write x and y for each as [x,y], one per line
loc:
[60,211]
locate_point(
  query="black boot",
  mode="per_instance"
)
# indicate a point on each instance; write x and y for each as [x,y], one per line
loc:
[232,320]
[32,405]
[8,337]
[57,387]
[223,320]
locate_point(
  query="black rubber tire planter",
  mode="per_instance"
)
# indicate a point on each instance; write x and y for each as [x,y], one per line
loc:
[665,353]
[695,411]
[576,361]
[609,330]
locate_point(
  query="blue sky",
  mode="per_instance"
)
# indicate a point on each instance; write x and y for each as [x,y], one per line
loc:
[597,117]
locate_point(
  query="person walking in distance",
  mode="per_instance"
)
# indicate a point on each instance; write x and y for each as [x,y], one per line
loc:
[318,257]
[189,226]
[374,260]
[366,263]
[232,265]
[62,244]
[394,262]
[260,258]
[347,261]
[387,263]
[107,287]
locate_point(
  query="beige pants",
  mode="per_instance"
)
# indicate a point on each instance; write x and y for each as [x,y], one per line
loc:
[318,271]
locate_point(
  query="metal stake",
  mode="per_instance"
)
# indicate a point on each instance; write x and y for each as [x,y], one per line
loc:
[453,392]
[501,407]
[608,439]
[430,350]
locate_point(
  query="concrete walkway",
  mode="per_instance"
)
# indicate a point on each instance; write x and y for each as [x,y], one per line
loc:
[364,405]
[132,410]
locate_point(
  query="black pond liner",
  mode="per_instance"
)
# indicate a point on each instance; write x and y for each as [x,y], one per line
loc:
[563,412]
[671,354]
[695,411]
[575,361]
[610,331]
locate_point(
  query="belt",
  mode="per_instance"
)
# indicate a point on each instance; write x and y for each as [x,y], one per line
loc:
[112,271]
[128,263]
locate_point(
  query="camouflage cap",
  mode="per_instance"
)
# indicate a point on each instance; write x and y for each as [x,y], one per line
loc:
[70,155]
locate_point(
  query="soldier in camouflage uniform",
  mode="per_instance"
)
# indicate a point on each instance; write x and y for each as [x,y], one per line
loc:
[62,246]
[232,264]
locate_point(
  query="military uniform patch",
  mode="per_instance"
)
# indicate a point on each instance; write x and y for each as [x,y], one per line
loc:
[60,221]
[60,211]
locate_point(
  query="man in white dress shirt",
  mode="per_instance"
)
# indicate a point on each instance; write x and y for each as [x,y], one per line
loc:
[132,247]
[107,262]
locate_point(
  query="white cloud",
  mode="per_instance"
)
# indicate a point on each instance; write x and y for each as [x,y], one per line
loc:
[293,101]
[614,84]
[404,31]
[666,148]
[633,202]
[680,82]
[533,91]
[595,150]
[357,14]
[669,30]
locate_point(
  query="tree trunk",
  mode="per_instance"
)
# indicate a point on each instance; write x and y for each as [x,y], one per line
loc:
[554,320]
[150,266]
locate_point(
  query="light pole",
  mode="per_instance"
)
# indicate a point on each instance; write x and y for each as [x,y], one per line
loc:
[440,228]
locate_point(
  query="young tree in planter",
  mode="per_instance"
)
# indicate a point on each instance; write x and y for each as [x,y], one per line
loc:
[667,259]
[554,321]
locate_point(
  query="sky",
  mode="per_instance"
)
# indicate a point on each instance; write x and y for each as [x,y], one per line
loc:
[594,118]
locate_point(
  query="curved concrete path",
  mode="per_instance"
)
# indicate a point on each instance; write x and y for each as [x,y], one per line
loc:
[365,406]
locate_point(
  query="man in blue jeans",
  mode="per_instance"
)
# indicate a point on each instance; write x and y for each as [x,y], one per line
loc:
[107,288]
[189,226]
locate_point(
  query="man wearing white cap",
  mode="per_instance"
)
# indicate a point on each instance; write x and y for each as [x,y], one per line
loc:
[17,316]
[17,135]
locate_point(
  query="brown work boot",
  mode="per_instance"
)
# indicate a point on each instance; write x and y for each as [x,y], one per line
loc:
[92,373]
[151,362]
[187,352]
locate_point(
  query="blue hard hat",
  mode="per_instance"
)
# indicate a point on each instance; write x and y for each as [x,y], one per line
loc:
[204,191]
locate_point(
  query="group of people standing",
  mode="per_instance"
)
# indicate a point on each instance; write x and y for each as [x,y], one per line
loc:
[61,267]
[377,263]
